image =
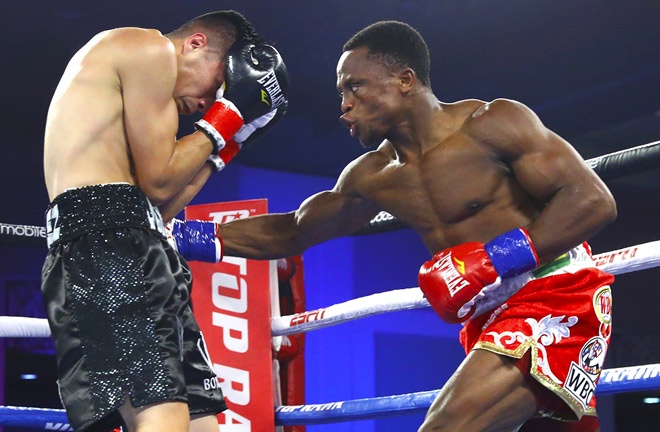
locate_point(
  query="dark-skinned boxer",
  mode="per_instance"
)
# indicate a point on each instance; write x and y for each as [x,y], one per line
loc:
[504,206]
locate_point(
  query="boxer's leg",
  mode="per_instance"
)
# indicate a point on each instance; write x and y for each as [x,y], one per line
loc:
[486,393]
[205,423]
[165,416]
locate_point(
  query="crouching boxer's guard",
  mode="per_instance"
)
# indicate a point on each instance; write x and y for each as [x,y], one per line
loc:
[505,207]
[129,351]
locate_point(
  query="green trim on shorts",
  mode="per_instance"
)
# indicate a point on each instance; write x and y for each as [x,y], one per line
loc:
[556,264]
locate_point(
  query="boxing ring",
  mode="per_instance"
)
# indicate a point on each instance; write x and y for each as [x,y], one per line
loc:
[616,380]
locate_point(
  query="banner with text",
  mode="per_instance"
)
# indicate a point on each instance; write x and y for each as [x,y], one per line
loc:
[231,302]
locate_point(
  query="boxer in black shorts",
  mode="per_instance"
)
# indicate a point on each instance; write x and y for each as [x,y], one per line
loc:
[118,302]
[118,296]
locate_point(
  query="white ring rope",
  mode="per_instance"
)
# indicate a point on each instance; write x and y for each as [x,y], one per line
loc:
[629,259]
[633,258]
[13,326]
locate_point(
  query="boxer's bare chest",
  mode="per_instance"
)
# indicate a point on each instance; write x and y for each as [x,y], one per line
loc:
[448,194]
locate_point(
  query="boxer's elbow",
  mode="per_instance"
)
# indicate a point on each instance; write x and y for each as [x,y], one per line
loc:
[609,210]
[158,192]
[154,196]
[603,208]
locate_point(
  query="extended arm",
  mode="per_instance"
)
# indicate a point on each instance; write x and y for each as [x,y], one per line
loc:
[321,217]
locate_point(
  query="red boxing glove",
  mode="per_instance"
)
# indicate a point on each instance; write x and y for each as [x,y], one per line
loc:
[289,349]
[286,268]
[245,136]
[457,274]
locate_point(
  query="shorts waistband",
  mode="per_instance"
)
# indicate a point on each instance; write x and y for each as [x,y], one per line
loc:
[99,207]
[499,292]
[578,257]
[556,264]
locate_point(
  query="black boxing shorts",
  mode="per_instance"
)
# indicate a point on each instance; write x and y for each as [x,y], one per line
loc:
[117,298]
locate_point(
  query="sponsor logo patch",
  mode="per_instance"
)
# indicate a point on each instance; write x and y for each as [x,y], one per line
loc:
[579,384]
[592,356]
[603,305]
[301,318]
[451,270]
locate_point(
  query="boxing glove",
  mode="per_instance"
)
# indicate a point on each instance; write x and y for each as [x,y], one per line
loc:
[245,136]
[289,348]
[286,268]
[195,240]
[456,275]
[256,83]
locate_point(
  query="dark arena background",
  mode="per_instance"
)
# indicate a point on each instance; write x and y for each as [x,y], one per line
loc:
[591,71]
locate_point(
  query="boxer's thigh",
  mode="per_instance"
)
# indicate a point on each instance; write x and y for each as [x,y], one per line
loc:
[487,392]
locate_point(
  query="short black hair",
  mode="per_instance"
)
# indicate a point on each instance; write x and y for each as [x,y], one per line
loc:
[397,45]
[222,28]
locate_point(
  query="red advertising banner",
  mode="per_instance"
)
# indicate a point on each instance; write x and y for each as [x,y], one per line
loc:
[231,301]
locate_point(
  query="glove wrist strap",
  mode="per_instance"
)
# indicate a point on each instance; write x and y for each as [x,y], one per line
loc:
[196,240]
[512,253]
[220,123]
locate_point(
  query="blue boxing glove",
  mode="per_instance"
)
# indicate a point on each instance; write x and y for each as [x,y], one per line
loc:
[455,275]
[195,240]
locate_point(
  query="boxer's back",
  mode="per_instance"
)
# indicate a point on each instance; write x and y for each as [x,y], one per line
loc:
[85,139]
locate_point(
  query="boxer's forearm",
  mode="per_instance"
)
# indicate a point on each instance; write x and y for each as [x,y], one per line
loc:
[175,205]
[262,237]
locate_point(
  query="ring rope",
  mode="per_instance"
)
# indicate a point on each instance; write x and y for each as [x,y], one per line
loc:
[34,418]
[620,261]
[633,258]
[616,380]
[13,326]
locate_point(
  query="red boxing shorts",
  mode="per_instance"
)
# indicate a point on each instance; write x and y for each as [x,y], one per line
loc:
[563,317]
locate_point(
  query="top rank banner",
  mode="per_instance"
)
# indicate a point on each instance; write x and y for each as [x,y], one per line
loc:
[231,302]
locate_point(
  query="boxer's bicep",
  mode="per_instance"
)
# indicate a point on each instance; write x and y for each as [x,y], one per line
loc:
[331,214]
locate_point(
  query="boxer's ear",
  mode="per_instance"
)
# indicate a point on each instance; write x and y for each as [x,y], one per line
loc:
[194,41]
[407,79]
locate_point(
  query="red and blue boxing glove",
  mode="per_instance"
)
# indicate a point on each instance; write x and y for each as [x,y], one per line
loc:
[195,240]
[456,275]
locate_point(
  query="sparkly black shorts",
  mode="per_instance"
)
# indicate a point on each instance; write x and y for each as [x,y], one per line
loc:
[118,303]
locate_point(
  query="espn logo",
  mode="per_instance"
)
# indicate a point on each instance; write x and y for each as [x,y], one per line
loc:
[228,216]
[301,318]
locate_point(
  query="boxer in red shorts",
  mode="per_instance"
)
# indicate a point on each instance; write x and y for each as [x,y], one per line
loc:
[502,203]
[537,327]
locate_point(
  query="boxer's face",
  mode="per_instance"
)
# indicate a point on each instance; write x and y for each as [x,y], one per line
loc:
[200,75]
[370,96]
[209,80]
